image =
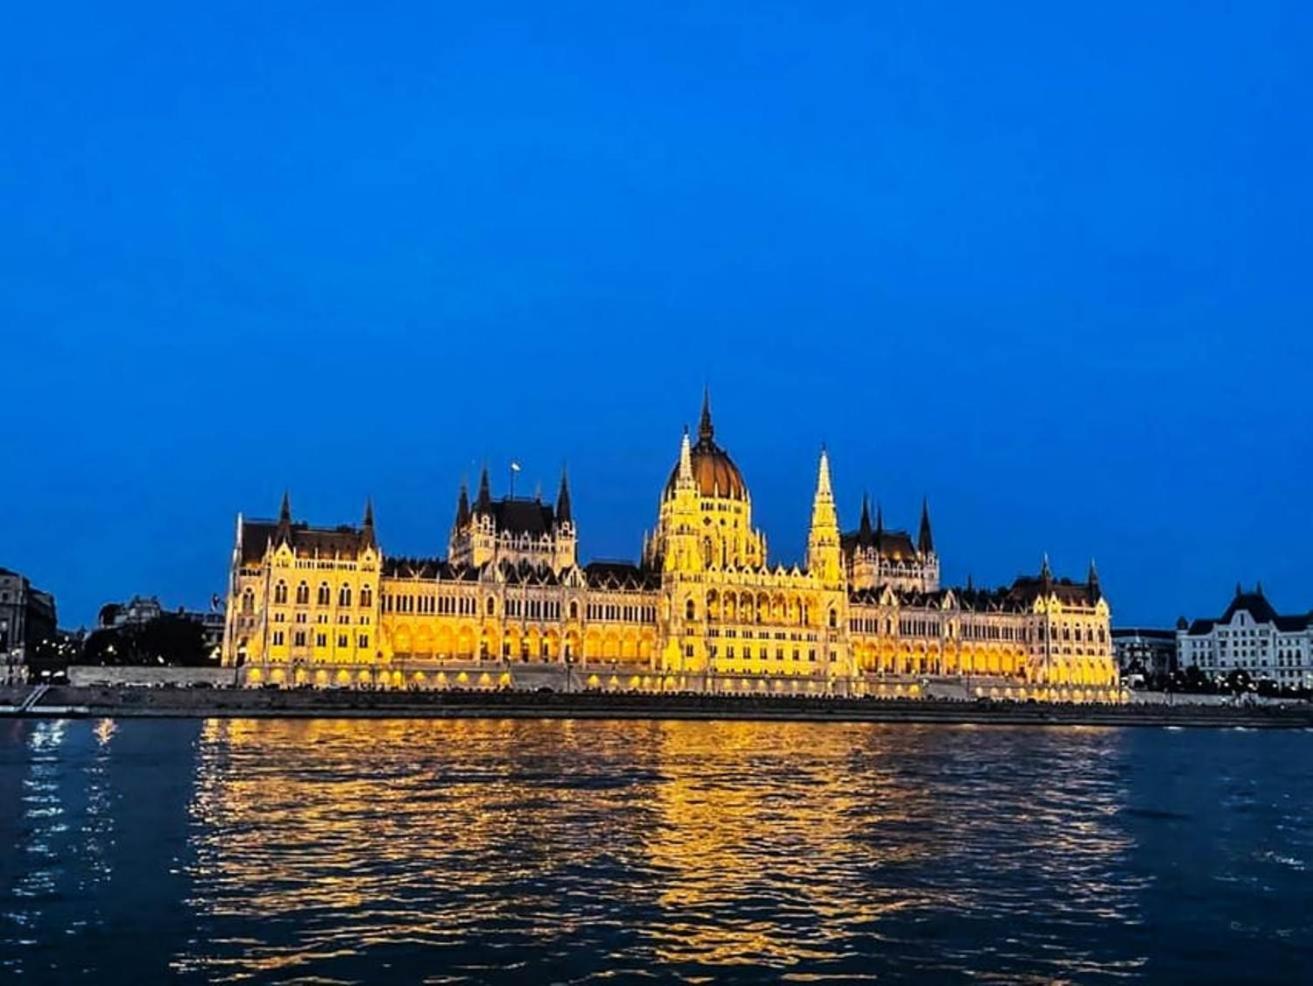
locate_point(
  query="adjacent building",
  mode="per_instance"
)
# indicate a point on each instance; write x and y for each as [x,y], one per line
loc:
[1250,636]
[1144,650]
[27,618]
[703,608]
[140,610]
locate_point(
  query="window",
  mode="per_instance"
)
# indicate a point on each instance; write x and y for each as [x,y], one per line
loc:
[321,640]
[302,594]
[325,594]
[363,641]
[342,640]
[690,611]
[366,596]
[248,601]
[492,606]
[298,638]
[280,592]
[344,595]
[278,638]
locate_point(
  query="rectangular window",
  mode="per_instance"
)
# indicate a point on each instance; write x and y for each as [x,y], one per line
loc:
[363,641]
[321,640]
[299,638]
[342,640]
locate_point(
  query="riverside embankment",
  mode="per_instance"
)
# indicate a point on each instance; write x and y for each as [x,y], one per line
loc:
[300,703]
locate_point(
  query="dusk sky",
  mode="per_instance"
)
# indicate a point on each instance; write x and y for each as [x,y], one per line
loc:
[1050,267]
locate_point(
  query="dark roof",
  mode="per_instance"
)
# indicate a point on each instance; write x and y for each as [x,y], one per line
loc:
[1256,605]
[522,516]
[306,541]
[889,544]
[620,575]
[1027,589]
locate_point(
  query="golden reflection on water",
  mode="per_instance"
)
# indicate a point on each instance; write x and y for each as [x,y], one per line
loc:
[323,846]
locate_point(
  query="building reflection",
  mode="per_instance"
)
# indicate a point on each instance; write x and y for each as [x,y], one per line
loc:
[685,845]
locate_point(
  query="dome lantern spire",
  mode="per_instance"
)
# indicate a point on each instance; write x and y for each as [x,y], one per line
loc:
[706,430]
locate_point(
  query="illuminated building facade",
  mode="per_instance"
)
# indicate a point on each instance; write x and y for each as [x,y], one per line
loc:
[703,609]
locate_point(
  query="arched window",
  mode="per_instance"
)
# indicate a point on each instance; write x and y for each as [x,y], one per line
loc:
[492,606]
[834,618]
[302,594]
[690,610]
[574,610]
[344,595]
[280,592]
[366,596]
[325,594]
[248,601]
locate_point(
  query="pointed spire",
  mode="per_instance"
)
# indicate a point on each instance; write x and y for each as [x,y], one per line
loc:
[285,511]
[1096,590]
[462,507]
[685,459]
[864,527]
[1045,572]
[925,543]
[563,514]
[706,431]
[367,525]
[879,520]
[823,554]
[971,585]
[484,502]
[1258,588]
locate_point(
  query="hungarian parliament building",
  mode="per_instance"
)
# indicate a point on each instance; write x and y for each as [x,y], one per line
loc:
[703,609]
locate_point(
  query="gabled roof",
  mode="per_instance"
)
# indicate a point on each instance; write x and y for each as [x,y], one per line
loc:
[305,541]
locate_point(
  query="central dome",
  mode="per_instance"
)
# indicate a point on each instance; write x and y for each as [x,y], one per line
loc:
[713,469]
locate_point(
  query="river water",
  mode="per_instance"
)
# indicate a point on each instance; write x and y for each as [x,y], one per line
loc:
[339,851]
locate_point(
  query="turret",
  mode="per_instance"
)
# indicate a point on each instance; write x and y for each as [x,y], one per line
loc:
[563,513]
[864,527]
[367,525]
[462,509]
[823,553]
[925,543]
[284,532]
[483,504]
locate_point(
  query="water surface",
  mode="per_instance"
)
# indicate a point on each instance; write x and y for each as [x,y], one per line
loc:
[339,851]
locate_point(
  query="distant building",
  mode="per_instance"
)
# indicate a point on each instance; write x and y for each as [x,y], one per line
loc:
[27,617]
[1144,649]
[140,610]
[1250,636]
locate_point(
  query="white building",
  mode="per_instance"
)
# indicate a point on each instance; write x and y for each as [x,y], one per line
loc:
[1250,636]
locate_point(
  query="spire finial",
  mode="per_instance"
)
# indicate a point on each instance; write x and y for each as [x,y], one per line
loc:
[864,527]
[563,499]
[706,431]
[484,502]
[462,507]
[823,474]
[685,458]
[285,511]
[369,512]
[1045,572]
[925,542]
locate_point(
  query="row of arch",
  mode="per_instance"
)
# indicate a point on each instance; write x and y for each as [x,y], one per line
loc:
[781,608]
[470,641]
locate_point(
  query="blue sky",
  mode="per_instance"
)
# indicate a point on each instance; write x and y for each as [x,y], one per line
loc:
[1049,267]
